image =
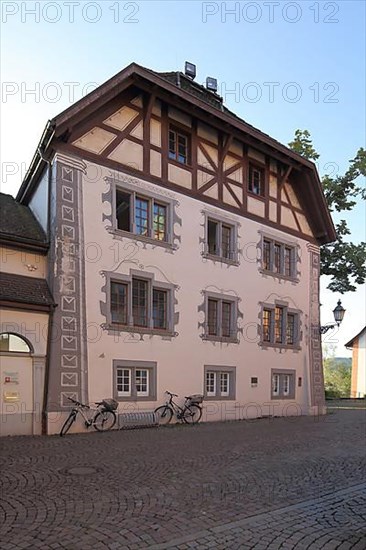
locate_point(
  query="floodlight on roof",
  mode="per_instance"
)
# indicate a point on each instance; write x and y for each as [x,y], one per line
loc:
[190,70]
[211,84]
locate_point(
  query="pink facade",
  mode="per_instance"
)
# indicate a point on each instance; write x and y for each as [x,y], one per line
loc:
[184,255]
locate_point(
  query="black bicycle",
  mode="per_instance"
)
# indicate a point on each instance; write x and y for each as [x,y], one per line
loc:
[190,413]
[102,418]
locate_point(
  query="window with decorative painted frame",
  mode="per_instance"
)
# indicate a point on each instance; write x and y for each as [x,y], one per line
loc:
[221,238]
[280,325]
[221,317]
[139,303]
[144,216]
[279,258]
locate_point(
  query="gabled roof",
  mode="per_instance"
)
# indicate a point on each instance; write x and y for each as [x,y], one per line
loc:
[18,226]
[351,342]
[22,290]
[189,95]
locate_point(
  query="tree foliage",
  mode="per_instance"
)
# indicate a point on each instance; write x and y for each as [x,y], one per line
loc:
[343,261]
[337,378]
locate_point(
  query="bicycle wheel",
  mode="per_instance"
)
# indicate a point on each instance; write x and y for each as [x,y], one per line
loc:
[164,415]
[104,421]
[192,414]
[68,423]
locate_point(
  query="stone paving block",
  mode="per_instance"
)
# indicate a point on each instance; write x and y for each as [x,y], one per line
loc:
[243,479]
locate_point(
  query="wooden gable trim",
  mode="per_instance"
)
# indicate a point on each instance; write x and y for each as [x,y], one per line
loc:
[232,169]
[209,159]
[228,141]
[213,119]
[285,176]
[123,135]
[80,125]
[164,141]
[194,147]
[233,195]
[148,102]
[144,79]
[108,163]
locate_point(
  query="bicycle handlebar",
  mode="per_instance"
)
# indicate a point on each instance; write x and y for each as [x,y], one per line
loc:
[77,403]
[171,394]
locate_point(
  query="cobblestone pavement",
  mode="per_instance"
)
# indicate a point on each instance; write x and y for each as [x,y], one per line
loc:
[263,484]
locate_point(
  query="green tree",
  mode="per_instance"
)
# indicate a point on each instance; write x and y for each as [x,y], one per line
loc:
[343,261]
[337,378]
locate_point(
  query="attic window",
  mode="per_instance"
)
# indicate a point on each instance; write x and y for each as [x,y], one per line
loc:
[256,180]
[178,146]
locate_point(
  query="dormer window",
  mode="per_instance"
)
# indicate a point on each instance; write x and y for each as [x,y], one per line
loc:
[178,146]
[256,183]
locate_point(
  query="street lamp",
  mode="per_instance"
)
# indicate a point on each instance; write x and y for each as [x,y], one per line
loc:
[338,313]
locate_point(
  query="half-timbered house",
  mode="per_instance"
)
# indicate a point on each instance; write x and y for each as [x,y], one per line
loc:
[184,253]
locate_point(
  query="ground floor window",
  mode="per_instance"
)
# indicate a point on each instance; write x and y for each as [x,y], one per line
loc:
[219,382]
[14,343]
[134,380]
[283,384]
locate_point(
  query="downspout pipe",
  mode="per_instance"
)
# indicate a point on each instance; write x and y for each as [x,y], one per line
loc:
[52,309]
[49,185]
[44,143]
[47,371]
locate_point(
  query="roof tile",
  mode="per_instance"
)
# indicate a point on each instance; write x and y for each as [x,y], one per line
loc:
[26,290]
[18,222]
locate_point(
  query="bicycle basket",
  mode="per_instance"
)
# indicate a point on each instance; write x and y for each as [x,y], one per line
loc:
[197,398]
[110,404]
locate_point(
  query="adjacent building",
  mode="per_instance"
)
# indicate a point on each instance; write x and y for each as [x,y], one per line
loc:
[26,306]
[183,253]
[358,379]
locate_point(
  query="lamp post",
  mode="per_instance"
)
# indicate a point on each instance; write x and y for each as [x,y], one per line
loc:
[338,313]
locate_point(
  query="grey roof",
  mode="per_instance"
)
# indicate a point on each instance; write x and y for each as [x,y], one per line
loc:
[24,290]
[18,224]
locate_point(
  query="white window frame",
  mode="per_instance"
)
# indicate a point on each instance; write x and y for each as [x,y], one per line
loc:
[286,385]
[217,372]
[122,393]
[282,389]
[210,381]
[225,393]
[141,393]
[132,367]
[275,384]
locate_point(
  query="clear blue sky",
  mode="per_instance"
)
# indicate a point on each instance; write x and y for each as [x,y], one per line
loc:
[292,64]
